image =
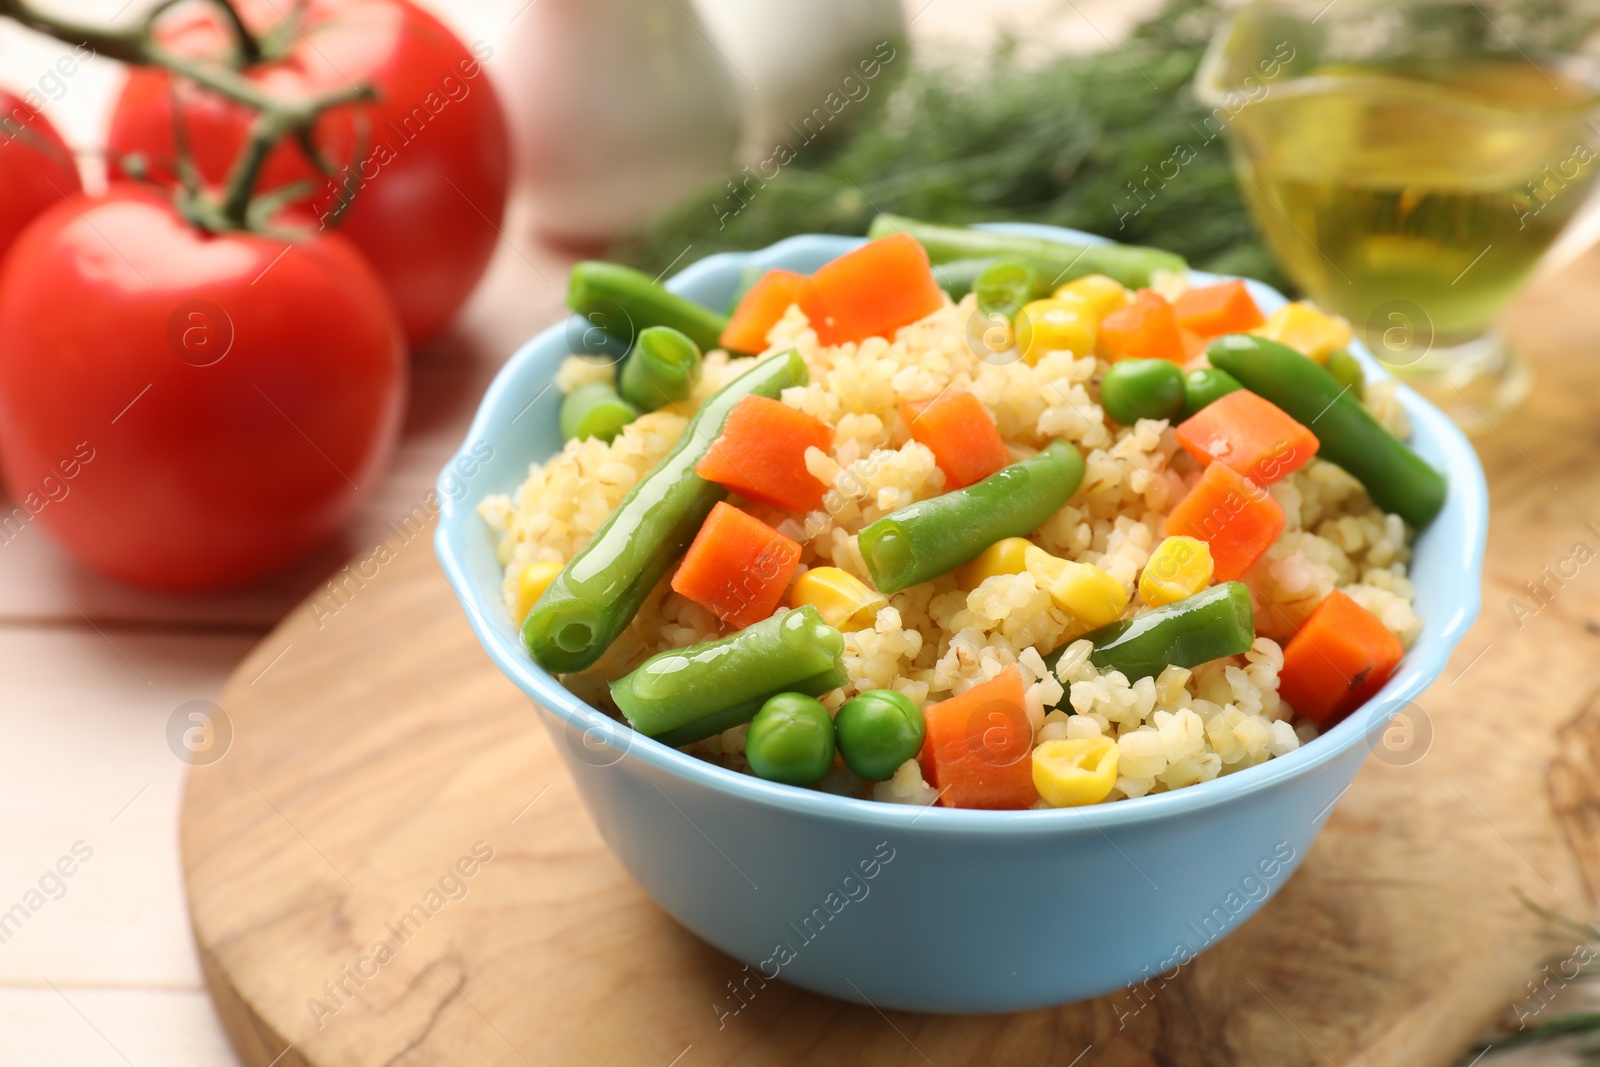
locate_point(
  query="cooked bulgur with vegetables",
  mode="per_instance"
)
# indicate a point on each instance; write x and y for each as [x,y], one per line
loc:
[1081,534]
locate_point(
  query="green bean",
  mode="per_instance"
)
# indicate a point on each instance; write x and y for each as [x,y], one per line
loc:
[931,537]
[623,301]
[1397,479]
[1134,389]
[1008,285]
[1058,261]
[1346,370]
[1205,385]
[684,695]
[596,595]
[594,409]
[958,276]
[1213,623]
[664,366]
[791,740]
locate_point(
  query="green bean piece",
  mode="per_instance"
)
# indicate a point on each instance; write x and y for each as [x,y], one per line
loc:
[1205,385]
[594,409]
[791,740]
[958,276]
[1347,371]
[1009,285]
[1213,623]
[1132,265]
[685,695]
[932,537]
[878,731]
[663,367]
[1134,389]
[596,595]
[1397,479]
[623,301]
[735,714]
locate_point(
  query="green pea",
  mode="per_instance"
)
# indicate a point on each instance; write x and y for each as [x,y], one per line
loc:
[1135,389]
[1205,385]
[791,740]
[878,731]
[1346,369]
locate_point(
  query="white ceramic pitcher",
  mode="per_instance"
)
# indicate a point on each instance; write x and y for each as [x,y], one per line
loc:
[794,57]
[618,108]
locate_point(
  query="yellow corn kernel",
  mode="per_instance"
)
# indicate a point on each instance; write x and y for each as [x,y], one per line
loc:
[1002,557]
[845,601]
[1088,593]
[1307,329]
[1103,294]
[1070,773]
[1056,326]
[1179,567]
[536,578]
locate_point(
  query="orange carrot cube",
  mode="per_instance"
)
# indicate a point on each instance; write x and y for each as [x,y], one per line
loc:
[1341,657]
[1214,310]
[872,291]
[1250,434]
[978,751]
[1145,329]
[761,454]
[960,434]
[737,568]
[1234,516]
[761,308]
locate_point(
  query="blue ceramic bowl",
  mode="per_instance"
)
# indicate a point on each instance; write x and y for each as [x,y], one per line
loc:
[937,910]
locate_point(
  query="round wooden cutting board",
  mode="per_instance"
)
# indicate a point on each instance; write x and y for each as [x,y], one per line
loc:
[389,865]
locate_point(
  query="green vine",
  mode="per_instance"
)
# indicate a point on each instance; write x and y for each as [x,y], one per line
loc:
[237,207]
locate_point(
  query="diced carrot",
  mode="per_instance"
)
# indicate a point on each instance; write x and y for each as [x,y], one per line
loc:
[1250,434]
[961,436]
[761,454]
[761,308]
[1232,515]
[1193,345]
[1215,310]
[1339,659]
[978,750]
[872,291]
[737,568]
[1145,329]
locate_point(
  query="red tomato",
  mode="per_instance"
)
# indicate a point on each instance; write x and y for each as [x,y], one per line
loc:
[189,411]
[428,161]
[36,167]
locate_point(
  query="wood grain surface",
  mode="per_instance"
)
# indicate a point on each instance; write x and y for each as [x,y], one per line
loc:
[373,757]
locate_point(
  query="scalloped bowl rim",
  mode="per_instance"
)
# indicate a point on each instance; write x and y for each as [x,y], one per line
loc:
[1424,662]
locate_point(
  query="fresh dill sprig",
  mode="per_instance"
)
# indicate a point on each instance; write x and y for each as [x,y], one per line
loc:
[1579,1030]
[1087,141]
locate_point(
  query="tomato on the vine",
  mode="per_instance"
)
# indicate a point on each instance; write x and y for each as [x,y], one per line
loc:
[427,161]
[186,410]
[36,167]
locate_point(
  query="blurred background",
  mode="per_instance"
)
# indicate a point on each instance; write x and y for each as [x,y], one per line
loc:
[660,131]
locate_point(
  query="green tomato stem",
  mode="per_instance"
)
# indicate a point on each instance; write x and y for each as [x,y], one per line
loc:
[277,117]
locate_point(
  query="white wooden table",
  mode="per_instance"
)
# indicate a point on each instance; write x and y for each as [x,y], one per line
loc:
[106,974]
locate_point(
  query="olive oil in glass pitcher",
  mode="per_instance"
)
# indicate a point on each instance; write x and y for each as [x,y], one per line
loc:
[1409,165]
